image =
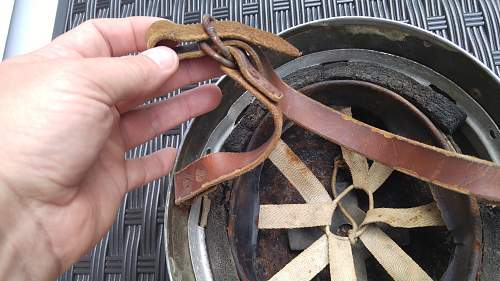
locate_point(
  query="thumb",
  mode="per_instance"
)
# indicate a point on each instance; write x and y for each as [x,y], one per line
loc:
[131,77]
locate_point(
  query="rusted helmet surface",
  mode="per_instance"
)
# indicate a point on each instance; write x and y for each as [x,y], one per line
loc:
[390,75]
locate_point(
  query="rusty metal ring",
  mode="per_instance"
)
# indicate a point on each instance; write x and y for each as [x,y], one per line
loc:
[207,23]
[208,50]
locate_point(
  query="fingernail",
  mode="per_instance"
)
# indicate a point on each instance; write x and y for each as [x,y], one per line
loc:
[163,56]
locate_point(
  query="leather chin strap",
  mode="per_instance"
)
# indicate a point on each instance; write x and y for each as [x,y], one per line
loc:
[457,172]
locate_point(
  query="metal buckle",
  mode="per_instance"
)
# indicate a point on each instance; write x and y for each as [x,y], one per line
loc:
[217,50]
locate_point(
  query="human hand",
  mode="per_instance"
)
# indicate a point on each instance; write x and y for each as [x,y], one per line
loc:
[68,113]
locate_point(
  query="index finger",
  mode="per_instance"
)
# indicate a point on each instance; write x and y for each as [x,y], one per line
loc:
[105,37]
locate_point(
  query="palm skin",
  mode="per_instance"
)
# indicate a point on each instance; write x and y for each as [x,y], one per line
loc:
[69,112]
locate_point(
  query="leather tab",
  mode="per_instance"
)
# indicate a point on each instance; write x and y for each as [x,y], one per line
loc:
[173,32]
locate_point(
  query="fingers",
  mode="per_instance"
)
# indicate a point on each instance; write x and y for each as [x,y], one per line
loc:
[130,80]
[104,38]
[145,123]
[129,77]
[192,71]
[189,71]
[145,169]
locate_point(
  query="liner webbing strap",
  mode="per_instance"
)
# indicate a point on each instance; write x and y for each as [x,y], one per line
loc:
[307,264]
[341,258]
[421,216]
[298,174]
[295,215]
[395,261]
[287,216]
[330,248]
[368,179]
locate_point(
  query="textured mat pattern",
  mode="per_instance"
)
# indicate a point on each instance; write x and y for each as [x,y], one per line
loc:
[133,249]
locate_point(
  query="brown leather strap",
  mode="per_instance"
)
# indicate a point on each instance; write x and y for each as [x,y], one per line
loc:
[199,176]
[171,32]
[458,172]
[212,169]
[450,170]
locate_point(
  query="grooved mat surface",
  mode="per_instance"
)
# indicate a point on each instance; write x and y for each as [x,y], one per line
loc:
[133,249]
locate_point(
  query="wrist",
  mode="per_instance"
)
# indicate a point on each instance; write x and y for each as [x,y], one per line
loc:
[25,249]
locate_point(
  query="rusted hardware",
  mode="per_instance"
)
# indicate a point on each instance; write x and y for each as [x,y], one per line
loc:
[218,51]
[207,23]
[216,56]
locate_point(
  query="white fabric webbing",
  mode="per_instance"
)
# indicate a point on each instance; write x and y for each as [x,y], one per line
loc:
[341,258]
[295,215]
[286,216]
[320,214]
[377,175]
[298,174]
[312,260]
[358,166]
[307,264]
[421,216]
[395,261]
[367,178]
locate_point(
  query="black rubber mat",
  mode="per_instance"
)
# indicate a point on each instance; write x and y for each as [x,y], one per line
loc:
[133,249]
